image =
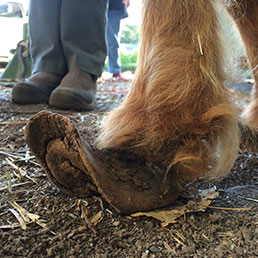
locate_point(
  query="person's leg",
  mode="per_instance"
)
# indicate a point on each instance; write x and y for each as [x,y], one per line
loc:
[112,36]
[83,39]
[47,54]
[83,34]
[45,42]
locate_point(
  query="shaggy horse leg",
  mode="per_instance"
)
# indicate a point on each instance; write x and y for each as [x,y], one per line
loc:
[178,108]
[245,14]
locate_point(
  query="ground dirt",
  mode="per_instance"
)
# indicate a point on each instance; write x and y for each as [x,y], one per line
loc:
[226,230]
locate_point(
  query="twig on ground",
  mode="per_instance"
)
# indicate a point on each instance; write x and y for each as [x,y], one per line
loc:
[10,154]
[87,221]
[229,209]
[27,216]
[19,218]
[21,172]
[15,185]
[14,123]
[9,187]
[251,199]
[19,157]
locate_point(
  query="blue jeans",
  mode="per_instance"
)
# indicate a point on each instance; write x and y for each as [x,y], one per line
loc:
[113,40]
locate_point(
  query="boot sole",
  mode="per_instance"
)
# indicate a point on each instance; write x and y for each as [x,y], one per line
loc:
[70,99]
[29,93]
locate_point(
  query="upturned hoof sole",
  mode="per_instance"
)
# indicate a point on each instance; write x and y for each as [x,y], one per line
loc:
[127,182]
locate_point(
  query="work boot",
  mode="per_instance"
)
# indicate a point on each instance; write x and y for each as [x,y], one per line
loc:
[128,182]
[76,91]
[36,89]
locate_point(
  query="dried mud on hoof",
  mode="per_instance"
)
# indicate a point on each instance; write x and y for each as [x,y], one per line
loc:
[54,141]
[126,181]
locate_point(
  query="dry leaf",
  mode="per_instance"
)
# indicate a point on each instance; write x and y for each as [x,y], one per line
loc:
[96,218]
[32,216]
[166,217]
[40,223]
[24,216]
[27,216]
[19,218]
[21,211]
[170,216]
[208,194]
[81,228]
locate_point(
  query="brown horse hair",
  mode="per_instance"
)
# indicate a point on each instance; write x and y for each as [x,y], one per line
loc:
[177,100]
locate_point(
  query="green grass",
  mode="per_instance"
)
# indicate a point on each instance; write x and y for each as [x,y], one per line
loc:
[128,62]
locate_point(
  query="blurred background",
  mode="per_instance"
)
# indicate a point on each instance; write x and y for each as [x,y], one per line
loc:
[13,16]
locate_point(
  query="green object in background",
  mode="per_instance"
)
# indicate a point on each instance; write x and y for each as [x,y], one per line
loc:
[128,67]
[15,70]
[21,65]
[128,61]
